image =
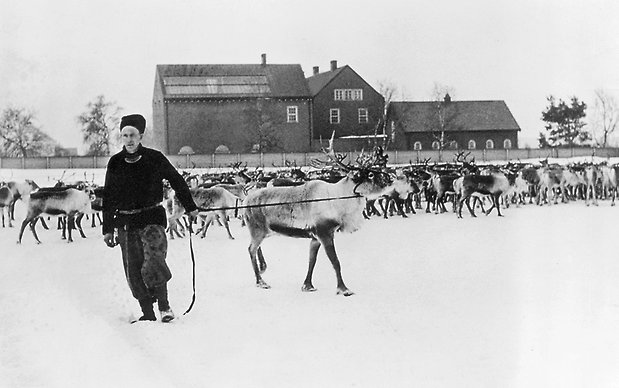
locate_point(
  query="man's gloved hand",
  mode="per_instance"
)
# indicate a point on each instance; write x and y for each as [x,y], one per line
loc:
[110,240]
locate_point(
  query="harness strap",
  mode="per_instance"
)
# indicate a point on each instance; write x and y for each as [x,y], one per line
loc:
[193,262]
[210,209]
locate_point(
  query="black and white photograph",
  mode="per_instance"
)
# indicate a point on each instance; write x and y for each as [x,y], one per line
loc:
[309,194]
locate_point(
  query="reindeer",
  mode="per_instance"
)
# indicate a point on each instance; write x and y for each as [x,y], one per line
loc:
[399,195]
[494,185]
[6,199]
[315,210]
[551,177]
[591,175]
[609,181]
[71,202]
[20,190]
[214,198]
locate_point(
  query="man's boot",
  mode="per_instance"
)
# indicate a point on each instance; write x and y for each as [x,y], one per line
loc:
[161,293]
[148,314]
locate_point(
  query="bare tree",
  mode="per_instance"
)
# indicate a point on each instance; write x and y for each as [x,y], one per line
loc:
[443,115]
[20,137]
[264,132]
[605,117]
[388,90]
[98,124]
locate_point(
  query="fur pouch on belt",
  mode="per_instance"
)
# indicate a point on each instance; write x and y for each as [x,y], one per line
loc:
[155,271]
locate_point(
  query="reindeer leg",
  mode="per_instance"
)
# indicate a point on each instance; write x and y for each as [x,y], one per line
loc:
[69,225]
[207,222]
[262,264]
[326,239]
[460,204]
[496,202]
[254,249]
[225,221]
[21,230]
[79,224]
[313,252]
[34,231]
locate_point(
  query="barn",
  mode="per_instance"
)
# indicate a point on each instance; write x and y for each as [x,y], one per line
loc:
[448,124]
[237,108]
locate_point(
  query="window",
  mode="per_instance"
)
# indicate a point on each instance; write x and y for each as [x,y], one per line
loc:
[348,94]
[417,146]
[507,144]
[334,116]
[363,115]
[472,145]
[489,144]
[292,113]
[453,145]
[436,145]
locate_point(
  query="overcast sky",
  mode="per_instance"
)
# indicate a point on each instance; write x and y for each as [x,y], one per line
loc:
[59,55]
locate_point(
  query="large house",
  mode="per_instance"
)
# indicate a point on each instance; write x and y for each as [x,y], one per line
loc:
[231,108]
[344,102]
[451,124]
[273,108]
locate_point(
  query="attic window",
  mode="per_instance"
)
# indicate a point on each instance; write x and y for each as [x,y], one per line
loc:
[348,94]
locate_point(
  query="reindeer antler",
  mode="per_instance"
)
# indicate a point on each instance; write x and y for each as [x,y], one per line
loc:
[333,158]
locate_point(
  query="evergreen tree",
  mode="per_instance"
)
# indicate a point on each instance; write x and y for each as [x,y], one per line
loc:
[564,122]
[98,126]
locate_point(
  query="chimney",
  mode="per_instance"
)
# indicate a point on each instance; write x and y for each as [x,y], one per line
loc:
[264,60]
[447,98]
[333,65]
[316,70]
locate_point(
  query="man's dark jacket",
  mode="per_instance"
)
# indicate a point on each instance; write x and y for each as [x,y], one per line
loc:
[138,185]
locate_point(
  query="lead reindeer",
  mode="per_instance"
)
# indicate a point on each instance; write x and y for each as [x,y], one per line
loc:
[307,211]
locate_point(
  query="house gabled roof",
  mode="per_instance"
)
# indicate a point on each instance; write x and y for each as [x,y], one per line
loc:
[229,81]
[467,115]
[317,82]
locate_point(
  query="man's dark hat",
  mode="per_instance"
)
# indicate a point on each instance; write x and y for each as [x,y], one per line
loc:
[135,120]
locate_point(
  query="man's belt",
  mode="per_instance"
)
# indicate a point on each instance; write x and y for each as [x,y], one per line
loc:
[137,211]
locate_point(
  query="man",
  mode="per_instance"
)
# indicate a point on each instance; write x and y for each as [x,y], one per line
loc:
[132,208]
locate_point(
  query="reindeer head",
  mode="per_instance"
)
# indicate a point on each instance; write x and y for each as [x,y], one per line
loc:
[368,172]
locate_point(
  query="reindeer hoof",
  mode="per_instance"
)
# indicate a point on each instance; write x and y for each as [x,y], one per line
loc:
[345,292]
[308,288]
[262,284]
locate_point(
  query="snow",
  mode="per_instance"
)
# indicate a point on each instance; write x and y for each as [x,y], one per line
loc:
[527,300]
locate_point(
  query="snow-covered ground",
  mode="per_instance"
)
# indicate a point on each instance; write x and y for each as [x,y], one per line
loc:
[527,300]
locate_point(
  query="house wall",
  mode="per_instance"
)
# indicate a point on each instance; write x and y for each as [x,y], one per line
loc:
[349,118]
[462,138]
[206,124]
[160,138]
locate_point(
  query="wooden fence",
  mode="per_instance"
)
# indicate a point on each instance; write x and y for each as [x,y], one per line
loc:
[304,159]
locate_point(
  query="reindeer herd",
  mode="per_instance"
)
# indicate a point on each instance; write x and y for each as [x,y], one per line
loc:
[330,196]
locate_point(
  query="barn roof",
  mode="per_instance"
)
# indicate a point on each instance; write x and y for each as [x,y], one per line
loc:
[467,115]
[228,81]
[317,82]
